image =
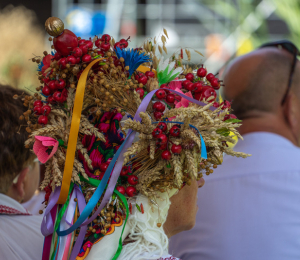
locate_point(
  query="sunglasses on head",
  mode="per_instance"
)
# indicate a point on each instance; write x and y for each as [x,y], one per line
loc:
[291,48]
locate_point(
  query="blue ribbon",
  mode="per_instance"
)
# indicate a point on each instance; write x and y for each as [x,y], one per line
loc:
[96,196]
[203,147]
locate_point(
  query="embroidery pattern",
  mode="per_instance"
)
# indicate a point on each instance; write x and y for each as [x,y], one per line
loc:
[5,210]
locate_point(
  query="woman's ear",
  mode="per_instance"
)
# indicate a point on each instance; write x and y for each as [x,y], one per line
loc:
[19,184]
[292,115]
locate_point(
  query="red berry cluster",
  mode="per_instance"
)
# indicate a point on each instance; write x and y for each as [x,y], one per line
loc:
[162,135]
[122,44]
[130,180]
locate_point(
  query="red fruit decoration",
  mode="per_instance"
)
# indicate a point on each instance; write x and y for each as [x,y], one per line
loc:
[150,74]
[105,37]
[86,58]
[175,131]
[103,167]
[185,83]
[162,126]
[81,42]
[140,91]
[176,149]
[46,91]
[124,171]
[190,86]
[142,79]
[162,139]
[131,191]
[215,83]
[62,62]
[206,92]
[64,40]
[201,72]
[89,44]
[216,104]
[157,115]
[197,87]
[189,76]
[60,84]
[105,46]
[161,146]
[210,76]
[37,110]
[58,97]
[156,132]
[84,49]
[230,116]
[43,120]
[166,155]
[50,100]
[225,104]
[163,86]
[71,59]
[77,52]
[121,189]
[46,109]
[38,103]
[158,106]
[57,56]
[160,94]
[98,43]
[170,98]
[52,85]
[133,180]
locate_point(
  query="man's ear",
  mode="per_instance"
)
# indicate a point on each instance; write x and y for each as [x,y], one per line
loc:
[19,185]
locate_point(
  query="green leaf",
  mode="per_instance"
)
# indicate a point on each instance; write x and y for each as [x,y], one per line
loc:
[168,165]
[223,131]
[138,207]
[233,120]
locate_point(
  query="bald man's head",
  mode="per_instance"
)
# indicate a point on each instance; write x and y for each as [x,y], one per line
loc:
[258,81]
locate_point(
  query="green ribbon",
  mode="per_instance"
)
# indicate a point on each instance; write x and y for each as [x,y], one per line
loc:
[96,183]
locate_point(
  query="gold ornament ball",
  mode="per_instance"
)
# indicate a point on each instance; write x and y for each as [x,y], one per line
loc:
[54,26]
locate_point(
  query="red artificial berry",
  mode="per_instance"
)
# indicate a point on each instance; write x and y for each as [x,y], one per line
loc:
[86,58]
[162,139]
[118,45]
[98,43]
[215,83]
[197,87]
[46,109]
[162,146]
[105,46]
[175,131]
[71,59]
[77,52]
[121,189]
[158,106]
[124,43]
[62,62]
[157,115]
[189,76]
[162,126]
[225,104]
[185,83]
[60,84]
[170,98]
[133,180]
[143,79]
[124,171]
[105,38]
[81,42]
[89,44]
[201,72]
[156,132]
[208,92]
[46,80]
[210,76]
[150,74]
[58,97]
[52,85]
[103,167]
[230,116]
[84,49]
[176,149]
[160,94]
[57,56]
[50,100]
[46,91]
[190,86]
[37,110]
[43,120]
[166,155]
[38,103]
[216,104]
[131,191]
[140,91]
[163,86]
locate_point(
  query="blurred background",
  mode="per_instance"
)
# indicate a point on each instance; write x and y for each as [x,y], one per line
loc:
[219,29]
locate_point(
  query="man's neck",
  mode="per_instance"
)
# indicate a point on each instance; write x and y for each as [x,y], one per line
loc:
[267,122]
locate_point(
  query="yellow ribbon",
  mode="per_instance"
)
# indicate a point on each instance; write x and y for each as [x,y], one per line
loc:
[72,142]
